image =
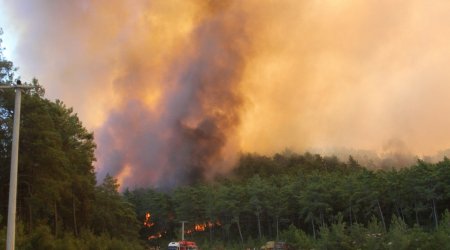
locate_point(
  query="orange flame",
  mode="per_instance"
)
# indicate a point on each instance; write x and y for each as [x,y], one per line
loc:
[147,222]
[200,227]
[156,236]
[203,226]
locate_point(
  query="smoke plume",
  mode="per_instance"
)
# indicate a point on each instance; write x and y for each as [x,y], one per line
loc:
[175,89]
[198,113]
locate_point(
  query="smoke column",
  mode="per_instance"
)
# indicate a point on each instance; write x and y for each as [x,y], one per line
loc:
[174,90]
[198,110]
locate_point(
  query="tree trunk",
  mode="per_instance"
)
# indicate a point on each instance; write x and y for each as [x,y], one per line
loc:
[417,214]
[74,216]
[313,228]
[435,214]
[403,215]
[381,215]
[56,220]
[210,231]
[239,229]
[259,225]
[351,221]
[322,218]
[277,221]
[398,211]
[30,217]
[30,210]
[224,233]
[228,232]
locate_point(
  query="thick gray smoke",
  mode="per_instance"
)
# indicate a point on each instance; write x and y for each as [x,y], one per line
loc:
[185,142]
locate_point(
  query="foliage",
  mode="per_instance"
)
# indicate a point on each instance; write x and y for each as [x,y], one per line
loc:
[313,206]
[297,238]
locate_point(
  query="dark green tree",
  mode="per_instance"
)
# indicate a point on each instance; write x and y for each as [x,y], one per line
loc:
[112,213]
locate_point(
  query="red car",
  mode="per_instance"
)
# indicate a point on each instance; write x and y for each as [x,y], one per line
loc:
[182,245]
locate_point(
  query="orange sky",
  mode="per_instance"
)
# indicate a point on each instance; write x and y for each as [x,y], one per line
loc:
[326,74]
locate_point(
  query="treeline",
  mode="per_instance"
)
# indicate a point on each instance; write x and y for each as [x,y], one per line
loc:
[59,204]
[308,200]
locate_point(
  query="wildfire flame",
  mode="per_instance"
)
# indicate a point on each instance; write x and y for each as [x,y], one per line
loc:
[200,227]
[156,236]
[203,226]
[147,222]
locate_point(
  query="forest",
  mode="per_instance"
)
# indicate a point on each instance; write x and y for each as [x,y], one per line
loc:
[307,200]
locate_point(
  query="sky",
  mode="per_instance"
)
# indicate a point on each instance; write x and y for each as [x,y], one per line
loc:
[177,89]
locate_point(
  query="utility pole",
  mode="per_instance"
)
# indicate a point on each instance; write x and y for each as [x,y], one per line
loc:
[182,229]
[11,229]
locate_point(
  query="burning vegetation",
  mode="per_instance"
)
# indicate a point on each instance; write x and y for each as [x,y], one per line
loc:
[175,89]
[316,198]
[148,224]
[200,227]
